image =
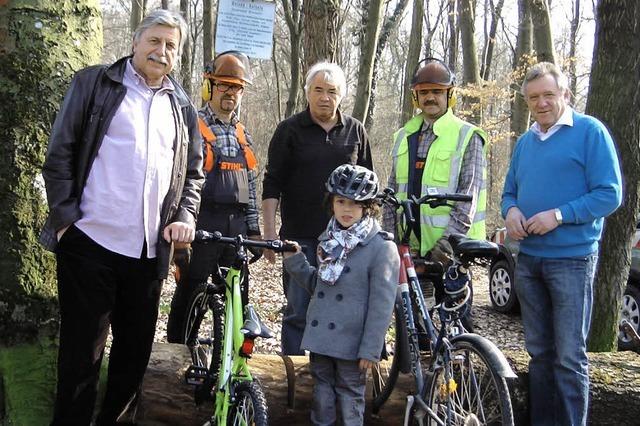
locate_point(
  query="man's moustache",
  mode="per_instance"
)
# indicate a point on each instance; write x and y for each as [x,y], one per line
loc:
[158,60]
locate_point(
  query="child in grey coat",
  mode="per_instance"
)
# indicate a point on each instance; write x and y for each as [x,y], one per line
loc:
[353,293]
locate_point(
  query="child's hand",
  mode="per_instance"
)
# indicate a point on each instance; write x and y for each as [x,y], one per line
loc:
[287,254]
[365,364]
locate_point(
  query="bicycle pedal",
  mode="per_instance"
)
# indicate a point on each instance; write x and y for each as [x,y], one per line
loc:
[196,375]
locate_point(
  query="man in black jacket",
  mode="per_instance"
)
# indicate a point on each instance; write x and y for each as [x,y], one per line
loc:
[303,152]
[123,174]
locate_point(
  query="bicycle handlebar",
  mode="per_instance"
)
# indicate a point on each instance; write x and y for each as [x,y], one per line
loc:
[217,237]
[433,198]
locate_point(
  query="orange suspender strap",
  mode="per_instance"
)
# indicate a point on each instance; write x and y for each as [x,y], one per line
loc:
[252,162]
[210,138]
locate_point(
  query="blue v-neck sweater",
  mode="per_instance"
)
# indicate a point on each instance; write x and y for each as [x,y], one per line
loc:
[575,170]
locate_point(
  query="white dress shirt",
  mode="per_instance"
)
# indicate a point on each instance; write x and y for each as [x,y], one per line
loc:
[131,174]
[566,119]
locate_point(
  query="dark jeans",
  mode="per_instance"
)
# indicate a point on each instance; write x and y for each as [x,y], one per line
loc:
[556,296]
[295,314]
[337,381]
[205,259]
[98,288]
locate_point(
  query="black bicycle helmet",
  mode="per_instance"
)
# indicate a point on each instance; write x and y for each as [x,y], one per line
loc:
[354,182]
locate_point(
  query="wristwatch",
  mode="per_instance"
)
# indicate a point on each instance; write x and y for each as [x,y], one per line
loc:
[558,214]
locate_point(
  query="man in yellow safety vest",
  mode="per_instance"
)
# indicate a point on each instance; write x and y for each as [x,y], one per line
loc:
[436,149]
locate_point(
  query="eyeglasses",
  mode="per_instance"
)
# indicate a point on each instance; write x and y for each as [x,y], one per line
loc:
[224,87]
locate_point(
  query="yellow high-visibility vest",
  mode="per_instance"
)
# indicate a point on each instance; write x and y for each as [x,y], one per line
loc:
[441,171]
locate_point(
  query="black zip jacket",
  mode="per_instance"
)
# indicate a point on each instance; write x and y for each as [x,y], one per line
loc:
[86,113]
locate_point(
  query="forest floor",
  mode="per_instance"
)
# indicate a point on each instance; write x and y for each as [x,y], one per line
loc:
[267,297]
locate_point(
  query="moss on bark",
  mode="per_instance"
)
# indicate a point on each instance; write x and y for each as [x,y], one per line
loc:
[42,43]
[28,376]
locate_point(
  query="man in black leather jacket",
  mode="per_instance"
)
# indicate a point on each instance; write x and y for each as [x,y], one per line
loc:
[123,174]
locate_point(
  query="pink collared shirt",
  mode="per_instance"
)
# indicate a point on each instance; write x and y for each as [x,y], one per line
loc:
[130,176]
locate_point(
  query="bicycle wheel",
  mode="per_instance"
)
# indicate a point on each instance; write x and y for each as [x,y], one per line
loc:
[475,394]
[385,373]
[250,405]
[204,328]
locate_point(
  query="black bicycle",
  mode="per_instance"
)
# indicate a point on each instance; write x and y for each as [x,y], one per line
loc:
[460,377]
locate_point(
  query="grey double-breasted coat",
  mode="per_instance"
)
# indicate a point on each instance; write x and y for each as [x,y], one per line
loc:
[349,320]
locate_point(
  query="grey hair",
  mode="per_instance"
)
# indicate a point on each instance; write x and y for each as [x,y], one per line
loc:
[332,74]
[166,18]
[541,69]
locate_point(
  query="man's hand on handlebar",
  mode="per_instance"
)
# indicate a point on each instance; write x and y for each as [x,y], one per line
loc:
[270,255]
[288,254]
[179,232]
[442,252]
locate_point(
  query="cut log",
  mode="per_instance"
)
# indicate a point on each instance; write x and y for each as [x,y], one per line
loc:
[167,400]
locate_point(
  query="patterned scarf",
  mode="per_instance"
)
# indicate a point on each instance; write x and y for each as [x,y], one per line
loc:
[332,253]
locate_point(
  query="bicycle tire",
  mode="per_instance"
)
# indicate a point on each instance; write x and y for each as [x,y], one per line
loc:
[492,407]
[204,328]
[250,405]
[385,373]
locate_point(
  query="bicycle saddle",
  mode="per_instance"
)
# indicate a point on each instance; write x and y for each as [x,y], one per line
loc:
[463,246]
[253,326]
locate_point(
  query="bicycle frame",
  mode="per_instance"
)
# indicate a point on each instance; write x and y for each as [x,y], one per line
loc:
[236,332]
[233,366]
[408,276]
[408,281]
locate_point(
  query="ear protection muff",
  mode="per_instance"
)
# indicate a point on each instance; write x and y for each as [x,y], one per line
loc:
[414,100]
[452,99]
[206,89]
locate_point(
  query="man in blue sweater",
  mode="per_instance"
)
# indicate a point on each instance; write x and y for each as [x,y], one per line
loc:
[564,178]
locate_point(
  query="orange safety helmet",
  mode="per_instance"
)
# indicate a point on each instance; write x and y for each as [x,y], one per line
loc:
[230,67]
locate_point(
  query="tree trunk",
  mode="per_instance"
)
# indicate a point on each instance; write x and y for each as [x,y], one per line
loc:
[293,17]
[42,43]
[573,40]
[614,97]
[321,31]
[413,57]
[542,31]
[496,14]
[471,71]
[367,55]
[453,34]
[519,110]
[137,12]
[389,25]
[207,31]
[187,58]
[41,56]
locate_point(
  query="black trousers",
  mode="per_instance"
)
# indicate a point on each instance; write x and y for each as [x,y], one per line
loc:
[205,259]
[98,288]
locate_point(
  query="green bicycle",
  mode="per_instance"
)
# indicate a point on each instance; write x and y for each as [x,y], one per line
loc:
[220,330]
